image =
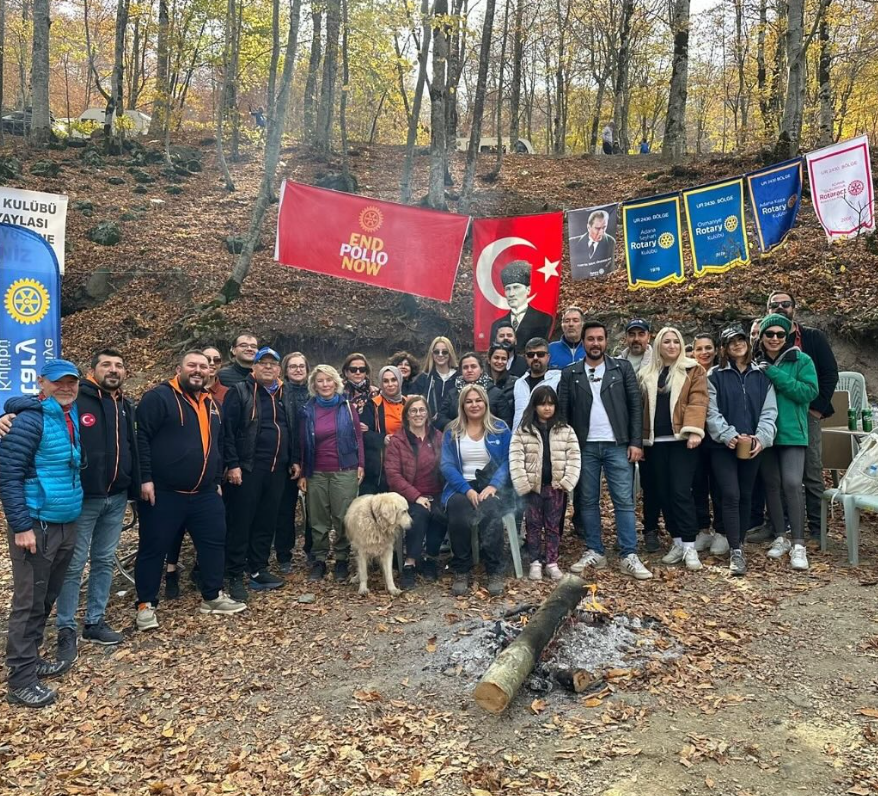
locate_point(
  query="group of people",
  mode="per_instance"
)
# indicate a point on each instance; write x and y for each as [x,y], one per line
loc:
[223,452]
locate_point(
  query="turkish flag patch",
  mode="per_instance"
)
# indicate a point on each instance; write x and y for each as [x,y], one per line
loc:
[88,420]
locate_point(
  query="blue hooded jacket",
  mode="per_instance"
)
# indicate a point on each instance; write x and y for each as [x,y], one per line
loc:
[452,469]
[40,465]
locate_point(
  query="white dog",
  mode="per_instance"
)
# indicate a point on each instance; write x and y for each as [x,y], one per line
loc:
[372,524]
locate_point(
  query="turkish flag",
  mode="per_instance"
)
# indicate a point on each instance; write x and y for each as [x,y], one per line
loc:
[505,290]
[384,244]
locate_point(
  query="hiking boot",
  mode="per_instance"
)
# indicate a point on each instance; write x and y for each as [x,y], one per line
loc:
[590,558]
[779,547]
[633,566]
[35,695]
[67,649]
[496,583]
[429,570]
[318,570]
[674,555]
[799,558]
[720,545]
[691,559]
[407,578]
[172,585]
[222,604]
[341,572]
[536,571]
[703,541]
[46,670]
[554,571]
[100,633]
[264,581]
[651,541]
[237,590]
[760,533]
[145,619]
[460,584]
[285,567]
[737,564]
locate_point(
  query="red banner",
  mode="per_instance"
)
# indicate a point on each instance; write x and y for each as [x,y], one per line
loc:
[384,244]
[517,278]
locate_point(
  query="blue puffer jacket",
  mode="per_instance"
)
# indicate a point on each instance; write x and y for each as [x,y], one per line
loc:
[452,469]
[40,465]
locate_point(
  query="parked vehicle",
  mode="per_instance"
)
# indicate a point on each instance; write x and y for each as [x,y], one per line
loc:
[18,122]
[489,144]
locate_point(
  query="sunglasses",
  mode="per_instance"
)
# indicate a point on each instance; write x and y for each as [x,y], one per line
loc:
[215,360]
[356,369]
[536,354]
[770,335]
[778,305]
[440,352]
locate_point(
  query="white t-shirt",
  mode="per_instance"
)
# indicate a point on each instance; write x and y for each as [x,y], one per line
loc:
[599,428]
[446,376]
[473,456]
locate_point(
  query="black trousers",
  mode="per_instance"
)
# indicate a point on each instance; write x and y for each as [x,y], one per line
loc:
[461,516]
[204,516]
[36,581]
[652,506]
[736,478]
[285,529]
[757,502]
[427,526]
[670,467]
[705,491]
[253,507]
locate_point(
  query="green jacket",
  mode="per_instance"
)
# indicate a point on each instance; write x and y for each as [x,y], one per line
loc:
[795,381]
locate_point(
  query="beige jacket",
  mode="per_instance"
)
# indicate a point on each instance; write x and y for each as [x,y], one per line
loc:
[526,459]
[688,402]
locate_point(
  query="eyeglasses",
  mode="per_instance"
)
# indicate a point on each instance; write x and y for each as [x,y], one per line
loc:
[293,366]
[440,352]
[357,369]
[592,377]
[267,363]
[779,335]
[421,411]
[248,346]
[215,360]
[536,354]
[778,305]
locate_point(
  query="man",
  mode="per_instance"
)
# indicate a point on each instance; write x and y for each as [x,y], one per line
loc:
[505,336]
[595,246]
[243,350]
[814,343]
[638,351]
[569,348]
[524,319]
[180,445]
[41,493]
[599,396]
[260,433]
[536,352]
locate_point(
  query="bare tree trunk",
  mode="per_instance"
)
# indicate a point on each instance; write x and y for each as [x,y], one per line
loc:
[23,84]
[438,89]
[325,111]
[596,119]
[515,87]
[158,121]
[2,54]
[232,77]
[405,185]
[41,120]
[116,106]
[475,135]
[762,71]
[311,81]
[343,105]
[740,56]
[674,143]
[498,163]
[778,67]
[824,82]
[456,59]
[221,105]
[275,50]
[620,90]
[560,122]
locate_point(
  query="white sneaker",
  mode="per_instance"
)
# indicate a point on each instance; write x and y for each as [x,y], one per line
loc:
[691,559]
[703,541]
[633,566]
[720,545]
[554,571]
[536,571]
[590,559]
[779,547]
[799,558]
[145,619]
[674,555]
[223,604]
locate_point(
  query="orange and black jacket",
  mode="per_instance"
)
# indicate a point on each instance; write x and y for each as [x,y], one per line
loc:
[180,439]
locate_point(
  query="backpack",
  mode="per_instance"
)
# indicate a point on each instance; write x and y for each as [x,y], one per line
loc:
[861,477]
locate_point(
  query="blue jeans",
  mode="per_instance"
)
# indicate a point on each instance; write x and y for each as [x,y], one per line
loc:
[613,459]
[97,535]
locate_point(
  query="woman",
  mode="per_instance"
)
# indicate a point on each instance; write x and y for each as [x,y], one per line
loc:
[544,465]
[674,389]
[704,488]
[357,384]
[332,466]
[794,377]
[294,368]
[382,417]
[741,422]
[440,367]
[215,360]
[472,372]
[413,381]
[411,465]
[475,465]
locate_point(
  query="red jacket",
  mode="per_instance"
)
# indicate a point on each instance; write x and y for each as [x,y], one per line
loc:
[403,471]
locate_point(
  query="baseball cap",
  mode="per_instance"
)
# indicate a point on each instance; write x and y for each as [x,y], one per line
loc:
[732,331]
[57,369]
[265,351]
[637,323]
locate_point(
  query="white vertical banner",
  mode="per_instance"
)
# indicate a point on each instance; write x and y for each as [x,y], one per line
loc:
[841,188]
[43,213]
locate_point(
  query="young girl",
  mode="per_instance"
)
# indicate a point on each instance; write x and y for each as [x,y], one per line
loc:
[544,463]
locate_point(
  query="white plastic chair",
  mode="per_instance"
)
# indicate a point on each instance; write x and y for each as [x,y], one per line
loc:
[855,385]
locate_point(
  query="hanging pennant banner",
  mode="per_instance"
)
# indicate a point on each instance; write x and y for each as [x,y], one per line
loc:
[44,213]
[653,241]
[592,235]
[775,196]
[841,188]
[717,234]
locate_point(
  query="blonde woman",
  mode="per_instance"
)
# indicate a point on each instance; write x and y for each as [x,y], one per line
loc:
[675,400]
[332,466]
[475,465]
[440,367]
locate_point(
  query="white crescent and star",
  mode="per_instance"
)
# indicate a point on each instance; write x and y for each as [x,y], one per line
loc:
[485,268]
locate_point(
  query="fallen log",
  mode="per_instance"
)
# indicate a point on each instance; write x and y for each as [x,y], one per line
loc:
[501,682]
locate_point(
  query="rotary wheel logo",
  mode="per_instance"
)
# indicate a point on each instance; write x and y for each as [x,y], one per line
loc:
[731,223]
[856,187]
[791,202]
[27,301]
[371,219]
[666,240]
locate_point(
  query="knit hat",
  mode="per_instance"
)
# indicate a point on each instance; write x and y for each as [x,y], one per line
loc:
[775,319]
